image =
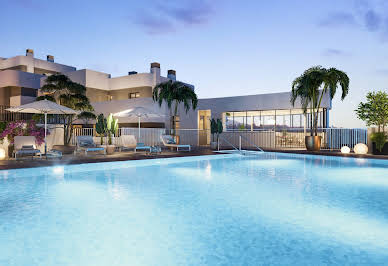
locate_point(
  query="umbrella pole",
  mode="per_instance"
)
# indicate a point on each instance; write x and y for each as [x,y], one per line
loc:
[139,129]
[45,134]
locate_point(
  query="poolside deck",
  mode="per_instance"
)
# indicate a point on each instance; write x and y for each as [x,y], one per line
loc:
[126,156]
[96,158]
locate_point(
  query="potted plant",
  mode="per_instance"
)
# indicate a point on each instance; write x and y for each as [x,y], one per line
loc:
[220,128]
[375,113]
[213,131]
[101,126]
[310,88]
[111,129]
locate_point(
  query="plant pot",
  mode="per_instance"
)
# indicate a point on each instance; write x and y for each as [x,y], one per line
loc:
[65,149]
[110,149]
[10,150]
[384,151]
[213,145]
[313,143]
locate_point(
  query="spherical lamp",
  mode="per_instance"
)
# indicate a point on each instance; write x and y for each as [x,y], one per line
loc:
[360,148]
[2,154]
[345,149]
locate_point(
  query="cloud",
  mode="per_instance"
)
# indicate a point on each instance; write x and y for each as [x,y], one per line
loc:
[331,52]
[369,16]
[372,20]
[338,19]
[191,14]
[167,17]
[154,25]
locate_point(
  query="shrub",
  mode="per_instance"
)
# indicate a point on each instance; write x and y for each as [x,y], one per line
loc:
[23,128]
[380,138]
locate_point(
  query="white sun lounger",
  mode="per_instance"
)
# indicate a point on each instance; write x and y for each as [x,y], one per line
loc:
[25,145]
[129,142]
[168,141]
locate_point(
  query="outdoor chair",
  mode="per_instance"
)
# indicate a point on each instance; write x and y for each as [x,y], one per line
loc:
[86,144]
[129,142]
[25,145]
[168,141]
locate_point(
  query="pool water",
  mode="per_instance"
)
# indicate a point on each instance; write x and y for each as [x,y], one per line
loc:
[269,209]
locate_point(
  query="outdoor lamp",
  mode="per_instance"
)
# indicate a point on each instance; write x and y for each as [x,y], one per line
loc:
[360,148]
[345,149]
[2,154]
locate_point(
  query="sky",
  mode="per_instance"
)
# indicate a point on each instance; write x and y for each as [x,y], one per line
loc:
[224,48]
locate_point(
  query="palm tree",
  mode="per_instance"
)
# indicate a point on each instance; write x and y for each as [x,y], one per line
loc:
[313,84]
[175,92]
[60,89]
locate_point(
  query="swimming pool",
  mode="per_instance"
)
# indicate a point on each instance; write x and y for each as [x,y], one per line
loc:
[270,209]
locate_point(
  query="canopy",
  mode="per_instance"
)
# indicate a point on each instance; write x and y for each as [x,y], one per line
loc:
[43,107]
[138,112]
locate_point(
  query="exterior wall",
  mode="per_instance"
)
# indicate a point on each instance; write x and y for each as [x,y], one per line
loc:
[19,79]
[118,106]
[137,80]
[124,93]
[218,106]
[30,62]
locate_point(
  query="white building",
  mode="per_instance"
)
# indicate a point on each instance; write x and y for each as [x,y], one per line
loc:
[22,76]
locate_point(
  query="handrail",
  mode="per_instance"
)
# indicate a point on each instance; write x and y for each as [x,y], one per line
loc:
[260,149]
[221,137]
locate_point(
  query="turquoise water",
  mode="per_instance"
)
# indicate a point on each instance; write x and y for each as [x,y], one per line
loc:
[270,209]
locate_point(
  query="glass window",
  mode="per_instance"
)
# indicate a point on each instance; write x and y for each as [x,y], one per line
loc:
[229,121]
[133,95]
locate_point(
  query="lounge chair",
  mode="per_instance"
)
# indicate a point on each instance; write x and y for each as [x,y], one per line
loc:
[168,141]
[142,146]
[25,145]
[128,142]
[86,144]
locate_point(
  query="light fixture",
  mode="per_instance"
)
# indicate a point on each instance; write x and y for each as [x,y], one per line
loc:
[345,149]
[360,148]
[2,154]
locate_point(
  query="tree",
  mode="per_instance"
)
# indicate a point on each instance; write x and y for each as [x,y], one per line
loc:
[375,110]
[313,84]
[60,89]
[375,113]
[175,92]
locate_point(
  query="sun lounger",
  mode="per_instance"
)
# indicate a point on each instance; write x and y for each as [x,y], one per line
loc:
[86,144]
[168,141]
[142,147]
[25,145]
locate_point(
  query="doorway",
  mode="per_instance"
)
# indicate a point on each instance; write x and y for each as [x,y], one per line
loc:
[204,117]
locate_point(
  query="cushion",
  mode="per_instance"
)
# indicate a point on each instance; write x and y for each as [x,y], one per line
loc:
[86,143]
[171,141]
[28,147]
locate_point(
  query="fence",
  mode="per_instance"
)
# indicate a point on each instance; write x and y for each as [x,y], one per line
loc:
[149,136]
[332,138]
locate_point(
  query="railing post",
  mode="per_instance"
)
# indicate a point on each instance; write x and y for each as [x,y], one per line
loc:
[239,143]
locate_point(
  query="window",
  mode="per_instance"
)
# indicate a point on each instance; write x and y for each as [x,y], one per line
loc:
[133,95]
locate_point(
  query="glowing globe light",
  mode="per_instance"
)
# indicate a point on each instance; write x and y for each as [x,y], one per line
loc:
[360,148]
[2,154]
[345,149]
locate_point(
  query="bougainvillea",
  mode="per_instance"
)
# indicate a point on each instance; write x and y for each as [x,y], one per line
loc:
[23,128]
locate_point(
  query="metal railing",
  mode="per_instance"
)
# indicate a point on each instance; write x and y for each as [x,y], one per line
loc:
[332,138]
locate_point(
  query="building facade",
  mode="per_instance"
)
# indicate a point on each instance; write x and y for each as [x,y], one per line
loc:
[22,76]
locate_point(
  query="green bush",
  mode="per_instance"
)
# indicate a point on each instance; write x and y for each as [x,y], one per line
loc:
[380,138]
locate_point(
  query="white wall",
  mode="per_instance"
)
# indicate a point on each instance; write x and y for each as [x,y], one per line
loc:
[19,79]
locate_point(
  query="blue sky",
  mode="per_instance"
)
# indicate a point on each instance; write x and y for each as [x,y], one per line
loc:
[224,48]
